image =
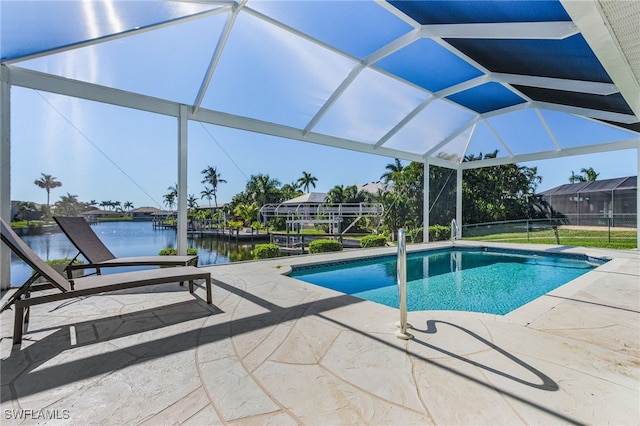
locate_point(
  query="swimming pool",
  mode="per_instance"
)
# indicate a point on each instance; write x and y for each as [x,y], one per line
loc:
[471,279]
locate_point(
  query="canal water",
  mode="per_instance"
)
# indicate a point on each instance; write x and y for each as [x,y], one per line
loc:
[128,239]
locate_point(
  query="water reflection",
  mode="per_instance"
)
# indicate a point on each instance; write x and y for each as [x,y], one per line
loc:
[126,239]
[212,251]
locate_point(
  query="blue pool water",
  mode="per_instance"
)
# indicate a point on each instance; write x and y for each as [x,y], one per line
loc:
[477,280]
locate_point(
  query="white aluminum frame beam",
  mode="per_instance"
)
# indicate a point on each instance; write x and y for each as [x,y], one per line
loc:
[459,202]
[453,135]
[215,58]
[426,201]
[5,172]
[592,87]
[632,143]
[183,126]
[392,47]
[547,155]
[417,110]
[502,30]
[350,78]
[45,82]
[119,35]
[552,136]
[258,126]
[461,87]
[587,112]
[82,90]
[596,30]
[521,30]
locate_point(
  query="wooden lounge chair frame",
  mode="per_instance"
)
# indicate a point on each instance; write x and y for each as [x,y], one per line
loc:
[82,286]
[89,245]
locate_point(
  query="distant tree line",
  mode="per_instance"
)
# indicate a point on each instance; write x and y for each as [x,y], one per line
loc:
[497,193]
[489,194]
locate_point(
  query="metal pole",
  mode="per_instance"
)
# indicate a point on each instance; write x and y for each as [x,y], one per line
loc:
[578,208]
[611,211]
[402,285]
[454,230]
[5,172]
[425,203]
[181,226]
[459,203]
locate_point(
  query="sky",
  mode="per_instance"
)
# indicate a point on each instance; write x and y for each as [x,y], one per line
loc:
[107,153]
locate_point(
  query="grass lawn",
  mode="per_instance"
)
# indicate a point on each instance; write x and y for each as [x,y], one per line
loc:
[570,237]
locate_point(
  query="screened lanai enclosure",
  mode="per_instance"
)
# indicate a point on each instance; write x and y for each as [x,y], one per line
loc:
[426,81]
[607,202]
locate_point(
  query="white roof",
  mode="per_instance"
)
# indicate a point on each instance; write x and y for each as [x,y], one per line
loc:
[311,197]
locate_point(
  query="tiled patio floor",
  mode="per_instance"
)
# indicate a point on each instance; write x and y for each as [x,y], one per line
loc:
[273,350]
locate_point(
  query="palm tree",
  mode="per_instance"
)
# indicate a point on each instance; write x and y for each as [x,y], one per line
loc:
[69,203]
[213,178]
[290,190]
[207,193]
[306,180]
[173,190]
[263,189]
[336,195]
[170,200]
[590,174]
[47,182]
[393,169]
[247,212]
[171,197]
[576,178]
[128,205]
[192,202]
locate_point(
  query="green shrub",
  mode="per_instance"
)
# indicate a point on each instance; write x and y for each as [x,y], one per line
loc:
[21,224]
[173,252]
[277,223]
[415,235]
[324,246]
[373,241]
[266,251]
[236,224]
[439,233]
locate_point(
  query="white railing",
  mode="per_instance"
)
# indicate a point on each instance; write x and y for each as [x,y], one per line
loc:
[454,230]
[316,209]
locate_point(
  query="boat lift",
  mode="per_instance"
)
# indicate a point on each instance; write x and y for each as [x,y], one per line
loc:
[321,213]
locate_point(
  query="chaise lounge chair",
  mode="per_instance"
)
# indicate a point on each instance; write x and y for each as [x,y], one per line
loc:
[82,286]
[79,232]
